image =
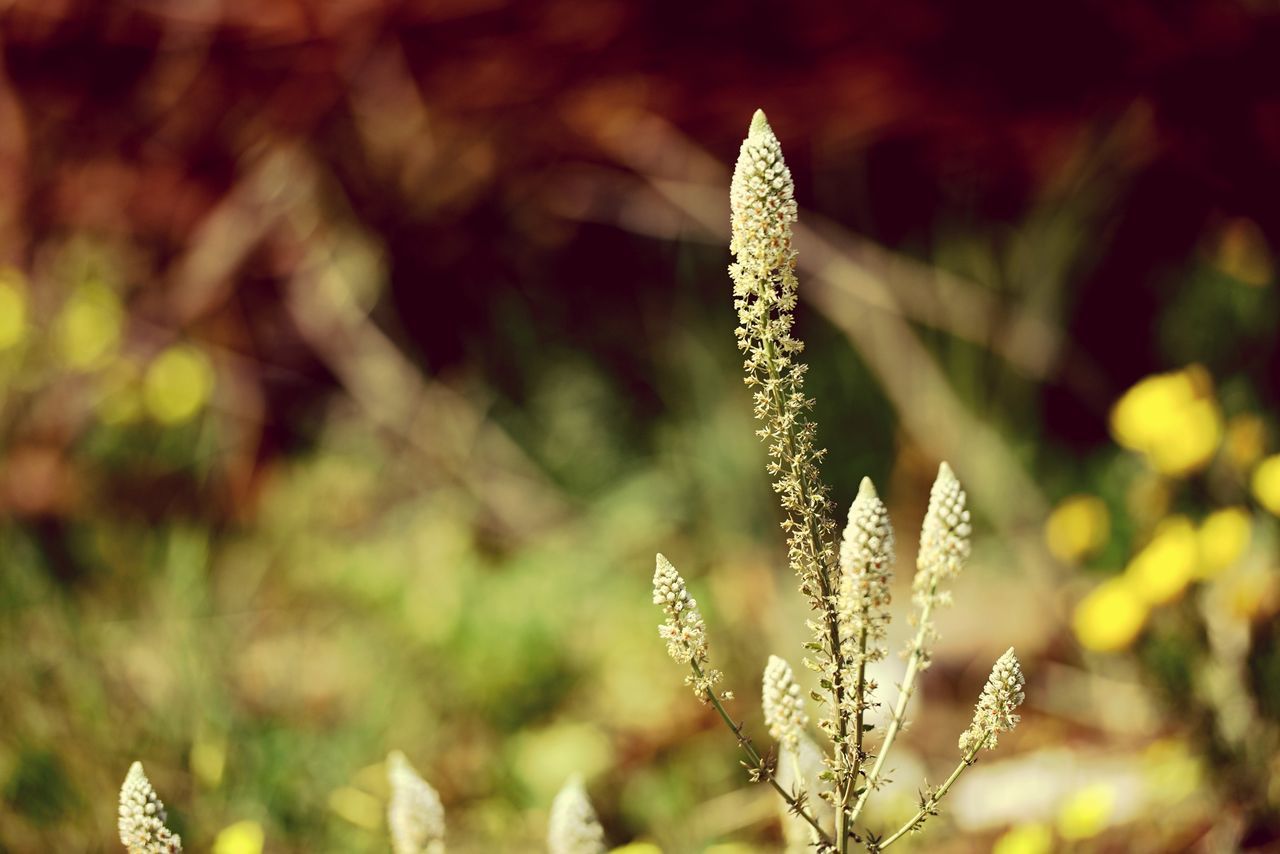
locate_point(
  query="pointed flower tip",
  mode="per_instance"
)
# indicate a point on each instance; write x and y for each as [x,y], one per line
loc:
[944,469]
[759,124]
[867,489]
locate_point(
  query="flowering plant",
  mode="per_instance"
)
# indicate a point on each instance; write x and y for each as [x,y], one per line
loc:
[847,578]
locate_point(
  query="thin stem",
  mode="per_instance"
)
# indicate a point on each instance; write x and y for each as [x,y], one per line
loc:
[829,612]
[758,763]
[930,806]
[859,688]
[904,697]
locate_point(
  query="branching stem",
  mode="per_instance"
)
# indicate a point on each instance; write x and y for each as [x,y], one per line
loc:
[930,805]
[758,764]
[914,660]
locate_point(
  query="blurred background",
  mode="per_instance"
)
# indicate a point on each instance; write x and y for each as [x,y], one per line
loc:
[356,358]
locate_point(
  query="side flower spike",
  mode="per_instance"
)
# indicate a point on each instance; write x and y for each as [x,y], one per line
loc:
[684,631]
[142,817]
[415,816]
[996,710]
[944,537]
[783,703]
[866,569]
[574,828]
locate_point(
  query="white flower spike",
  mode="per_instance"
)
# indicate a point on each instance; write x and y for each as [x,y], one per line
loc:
[996,710]
[142,817]
[415,816]
[783,703]
[574,828]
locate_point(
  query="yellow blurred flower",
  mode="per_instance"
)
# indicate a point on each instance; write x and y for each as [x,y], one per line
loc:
[13,309]
[1077,528]
[1266,483]
[1109,617]
[1033,838]
[88,327]
[637,848]
[1224,537]
[1246,440]
[1172,419]
[1163,569]
[243,837]
[177,385]
[1087,812]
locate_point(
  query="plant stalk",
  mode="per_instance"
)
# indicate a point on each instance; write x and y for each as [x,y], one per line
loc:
[900,710]
[758,763]
[931,803]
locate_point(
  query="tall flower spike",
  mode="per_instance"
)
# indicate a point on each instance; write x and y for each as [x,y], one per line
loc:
[762,200]
[866,570]
[415,816]
[574,828]
[996,710]
[783,703]
[944,537]
[142,817]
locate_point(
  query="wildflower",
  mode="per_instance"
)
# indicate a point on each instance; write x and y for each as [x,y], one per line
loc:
[1223,539]
[1161,571]
[142,817]
[415,815]
[574,828]
[762,199]
[1077,528]
[764,285]
[866,569]
[684,630]
[944,536]
[783,703]
[1172,419]
[995,712]
[1110,617]
[1266,483]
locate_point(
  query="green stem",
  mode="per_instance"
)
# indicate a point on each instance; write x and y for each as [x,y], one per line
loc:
[904,697]
[931,803]
[757,762]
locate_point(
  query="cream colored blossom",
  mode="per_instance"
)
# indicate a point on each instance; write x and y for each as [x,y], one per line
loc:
[996,710]
[142,817]
[783,702]
[944,537]
[574,828]
[684,631]
[762,200]
[866,570]
[415,816]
